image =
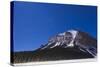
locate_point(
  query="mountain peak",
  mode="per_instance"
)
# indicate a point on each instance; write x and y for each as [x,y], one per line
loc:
[65,39]
[72,31]
[73,38]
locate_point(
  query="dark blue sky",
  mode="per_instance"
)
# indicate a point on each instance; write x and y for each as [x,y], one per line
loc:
[35,23]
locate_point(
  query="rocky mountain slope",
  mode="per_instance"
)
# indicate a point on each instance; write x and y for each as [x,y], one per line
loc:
[72,44]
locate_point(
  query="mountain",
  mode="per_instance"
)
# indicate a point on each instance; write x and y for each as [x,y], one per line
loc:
[72,44]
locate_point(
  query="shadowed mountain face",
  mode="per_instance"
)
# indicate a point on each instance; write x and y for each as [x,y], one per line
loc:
[64,46]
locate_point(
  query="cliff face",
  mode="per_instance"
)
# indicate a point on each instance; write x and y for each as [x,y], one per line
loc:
[64,46]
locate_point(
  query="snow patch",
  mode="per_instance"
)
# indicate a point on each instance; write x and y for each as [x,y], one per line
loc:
[62,34]
[47,45]
[74,33]
[57,44]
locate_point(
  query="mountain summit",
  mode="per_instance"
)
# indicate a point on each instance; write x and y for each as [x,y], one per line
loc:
[73,38]
[65,39]
[72,44]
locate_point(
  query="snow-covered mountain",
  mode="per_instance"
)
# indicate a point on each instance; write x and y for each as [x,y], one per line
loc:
[65,39]
[73,38]
[72,44]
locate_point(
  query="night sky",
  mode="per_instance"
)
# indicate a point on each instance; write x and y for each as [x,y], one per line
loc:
[35,23]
